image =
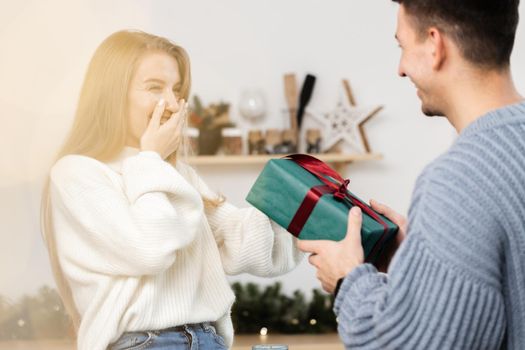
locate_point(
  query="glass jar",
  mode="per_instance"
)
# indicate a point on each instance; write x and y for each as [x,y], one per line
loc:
[273,140]
[232,141]
[313,141]
[256,142]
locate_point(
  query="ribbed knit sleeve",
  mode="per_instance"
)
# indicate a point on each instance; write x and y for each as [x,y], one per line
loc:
[129,226]
[424,304]
[444,288]
[248,240]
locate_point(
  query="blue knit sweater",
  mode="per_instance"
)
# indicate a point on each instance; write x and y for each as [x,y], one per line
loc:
[458,279]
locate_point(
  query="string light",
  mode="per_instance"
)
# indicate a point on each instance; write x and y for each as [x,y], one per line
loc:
[264,331]
[313,321]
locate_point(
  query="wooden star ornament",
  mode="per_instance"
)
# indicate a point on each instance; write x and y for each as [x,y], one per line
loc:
[345,123]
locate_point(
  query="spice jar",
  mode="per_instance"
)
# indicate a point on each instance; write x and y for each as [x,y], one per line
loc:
[273,140]
[232,141]
[313,141]
[255,142]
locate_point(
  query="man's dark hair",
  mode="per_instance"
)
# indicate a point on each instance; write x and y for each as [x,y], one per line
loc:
[484,30]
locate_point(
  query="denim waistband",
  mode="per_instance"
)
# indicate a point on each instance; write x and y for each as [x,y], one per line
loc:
[203,325]
[187,330]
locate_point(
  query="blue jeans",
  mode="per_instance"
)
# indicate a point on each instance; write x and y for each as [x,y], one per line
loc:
[201,336]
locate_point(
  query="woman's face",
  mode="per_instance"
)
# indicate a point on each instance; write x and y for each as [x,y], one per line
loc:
[157,76]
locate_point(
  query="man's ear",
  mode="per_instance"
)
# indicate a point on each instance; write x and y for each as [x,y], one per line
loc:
[437,46]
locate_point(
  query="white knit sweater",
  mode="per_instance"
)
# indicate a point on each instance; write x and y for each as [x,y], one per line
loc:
[140,252]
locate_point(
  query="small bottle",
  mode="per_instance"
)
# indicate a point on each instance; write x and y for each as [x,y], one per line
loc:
[256,142]
[273,140]
[270,347]
[232,141]
[313,141]
[289,142]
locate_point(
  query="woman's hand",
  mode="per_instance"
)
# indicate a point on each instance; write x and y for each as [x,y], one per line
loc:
[164,138]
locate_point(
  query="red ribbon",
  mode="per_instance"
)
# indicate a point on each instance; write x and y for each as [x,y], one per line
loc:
[334,184]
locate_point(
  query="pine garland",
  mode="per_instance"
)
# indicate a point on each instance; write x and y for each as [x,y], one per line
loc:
[43,316]
[271,309]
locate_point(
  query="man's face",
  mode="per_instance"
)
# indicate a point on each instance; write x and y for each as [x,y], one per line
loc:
[416,63]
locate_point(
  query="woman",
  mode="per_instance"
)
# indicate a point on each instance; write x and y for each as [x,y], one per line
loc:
[138,244]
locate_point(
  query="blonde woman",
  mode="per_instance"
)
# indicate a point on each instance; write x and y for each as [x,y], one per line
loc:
[139,246]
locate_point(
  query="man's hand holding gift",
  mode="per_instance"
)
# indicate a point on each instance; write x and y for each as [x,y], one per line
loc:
[311,201]
[383,262]
[334,260]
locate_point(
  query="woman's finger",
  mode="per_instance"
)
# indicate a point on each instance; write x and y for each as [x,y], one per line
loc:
[177,118]
[157,114]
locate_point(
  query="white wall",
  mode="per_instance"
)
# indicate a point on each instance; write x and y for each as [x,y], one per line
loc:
[233,44]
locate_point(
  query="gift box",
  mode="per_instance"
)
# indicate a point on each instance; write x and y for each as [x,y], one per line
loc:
[311,200]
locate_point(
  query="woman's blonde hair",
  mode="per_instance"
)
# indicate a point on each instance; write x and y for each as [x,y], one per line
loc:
[100,126]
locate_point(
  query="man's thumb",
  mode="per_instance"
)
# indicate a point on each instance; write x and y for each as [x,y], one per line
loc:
[355,220]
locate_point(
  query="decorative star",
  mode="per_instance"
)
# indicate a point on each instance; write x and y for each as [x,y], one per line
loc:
[345,124]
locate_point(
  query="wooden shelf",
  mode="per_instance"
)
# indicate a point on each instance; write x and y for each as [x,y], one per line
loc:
[338,158]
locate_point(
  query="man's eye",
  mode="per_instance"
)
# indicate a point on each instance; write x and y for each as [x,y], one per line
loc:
[154,88]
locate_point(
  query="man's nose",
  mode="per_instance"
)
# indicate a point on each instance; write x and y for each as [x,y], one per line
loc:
[401,72]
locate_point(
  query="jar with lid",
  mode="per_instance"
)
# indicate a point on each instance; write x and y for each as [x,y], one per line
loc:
[232,141]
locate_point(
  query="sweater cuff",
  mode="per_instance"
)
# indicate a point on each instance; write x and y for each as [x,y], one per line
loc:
[357,278]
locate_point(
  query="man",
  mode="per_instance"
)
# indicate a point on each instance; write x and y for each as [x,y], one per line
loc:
[458,279]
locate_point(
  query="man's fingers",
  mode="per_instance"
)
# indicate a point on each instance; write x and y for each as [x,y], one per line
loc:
[379,207]
[157,113]
[393,216]
[326,286]
[355,220]
[313,259]
[308,246]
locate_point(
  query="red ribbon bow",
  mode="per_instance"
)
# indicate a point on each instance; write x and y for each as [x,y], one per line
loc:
[334,184]
[342,191]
